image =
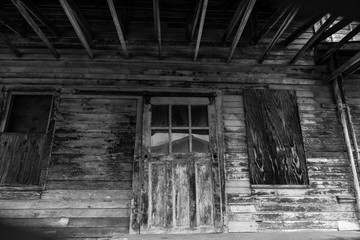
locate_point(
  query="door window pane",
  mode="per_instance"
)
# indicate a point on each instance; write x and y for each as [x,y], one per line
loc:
[160,141]
[180,117]
[199,116]
[200,141]
[180,141]
[160,115]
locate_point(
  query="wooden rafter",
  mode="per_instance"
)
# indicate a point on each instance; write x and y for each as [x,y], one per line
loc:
[314,38]
[201,27]
[249,6]
[81,20]
[338,45]
[303,28]
[196,19]
[253,26]
[10,24]
[74,22]
[10,45]
[117,23]
[18,4]
[288,19]
[235,19]
[275,17]
[157,25]
[332,30]
[35,11]
[348,65]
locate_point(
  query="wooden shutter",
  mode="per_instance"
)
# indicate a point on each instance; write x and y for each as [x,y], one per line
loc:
[275,146]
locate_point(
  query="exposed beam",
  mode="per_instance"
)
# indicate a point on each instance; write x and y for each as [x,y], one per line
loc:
[275,17]
[35,11]
[73,20]
[250,5]
[196,19]
[235,19]
[332,30]
[338,45]
[253,26]
[351,70]
[118,26]
[18,4]
[157,25]
[10,45]
[201,27]
[288,19]
[314,38]
[11,25]
[82,21]
[345,67]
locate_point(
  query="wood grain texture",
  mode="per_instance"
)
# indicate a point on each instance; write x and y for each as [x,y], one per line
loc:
[274,138]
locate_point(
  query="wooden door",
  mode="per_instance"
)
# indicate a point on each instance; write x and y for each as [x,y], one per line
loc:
[181,184]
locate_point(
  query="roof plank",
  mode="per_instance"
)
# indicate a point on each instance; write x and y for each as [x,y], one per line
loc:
[10,45]
[354,61]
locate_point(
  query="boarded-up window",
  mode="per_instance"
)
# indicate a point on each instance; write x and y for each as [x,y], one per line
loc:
[275,146]
[23,142]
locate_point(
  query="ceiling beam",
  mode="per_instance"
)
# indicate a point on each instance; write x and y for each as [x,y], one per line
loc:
[157,25]
[11,25]
[74,22]
[275,17]
[253,26]
[117,23]
[35,11]
[10,45]
[201,27]
[196,19]
[291,13]
[19,5]
[82,21]
[314,38]
[332,30]
[345,67]
[249,6]
[235,19]
[338,45]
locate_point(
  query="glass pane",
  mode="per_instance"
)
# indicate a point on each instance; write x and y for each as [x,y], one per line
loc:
[160,141]
[180,116]
[199,116]
[180,141]
[200,141]
[160,115]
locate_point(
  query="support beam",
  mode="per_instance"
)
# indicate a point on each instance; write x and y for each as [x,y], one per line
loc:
[314,38]
[73,20]
[18,4]
[345,67]
[10,45]
[11,25]
[196,19]
[35,11]
[235,19]
[275,17]
[253,26]
[201,27]
[250,5]
[117,23]
[288,19]
[332,30]
[338,45]
[81,20]
[303,28]
[157,25]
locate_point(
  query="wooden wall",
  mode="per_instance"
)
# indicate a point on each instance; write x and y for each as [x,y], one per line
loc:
[85,188]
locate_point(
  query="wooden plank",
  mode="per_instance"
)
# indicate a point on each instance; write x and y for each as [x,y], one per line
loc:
[71,14]
[20,6]
[196,19]
[10,45]
[64,213]
[81,20]
[157,25]
[314,38]
[291,13]
[86,194]
[118,27]
[346,66]
[201,26]
[88,185]
[235,19]
[11,25]
[249,7]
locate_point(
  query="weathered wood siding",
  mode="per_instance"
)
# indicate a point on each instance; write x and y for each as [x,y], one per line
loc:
[89,179]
